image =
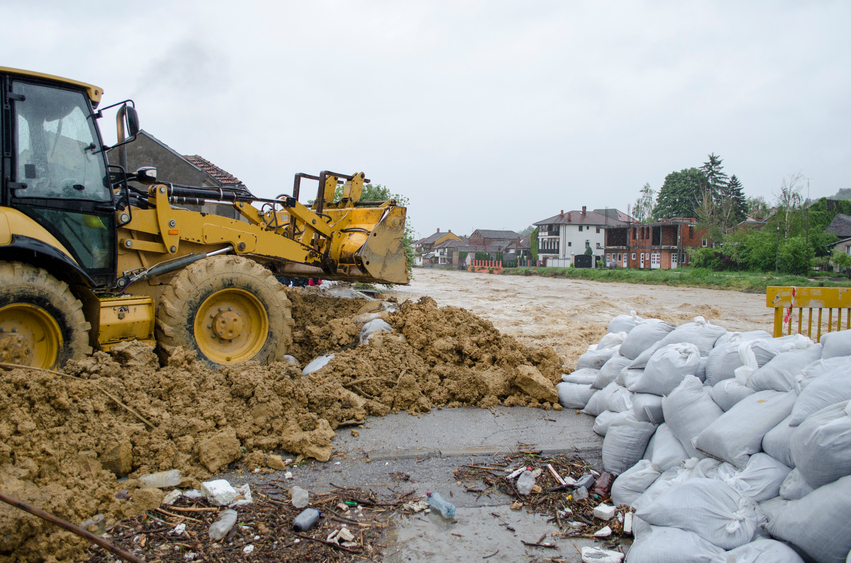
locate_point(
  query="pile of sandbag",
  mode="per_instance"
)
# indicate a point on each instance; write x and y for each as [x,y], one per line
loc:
[731,447]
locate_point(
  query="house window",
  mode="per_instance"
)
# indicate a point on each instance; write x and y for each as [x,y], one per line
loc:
[569,243]
[598,230]
[608,257]
[580,228]
[599,245]
[704,242]
[633,255]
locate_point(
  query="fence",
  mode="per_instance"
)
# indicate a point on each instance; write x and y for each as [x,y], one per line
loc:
[521,263]
[785,300]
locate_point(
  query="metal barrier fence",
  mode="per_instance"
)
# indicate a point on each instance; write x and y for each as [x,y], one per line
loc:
[815,300]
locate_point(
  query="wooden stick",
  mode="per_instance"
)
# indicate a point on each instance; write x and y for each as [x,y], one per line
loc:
[71,528]
[501,469]
[188,509]
[181,516]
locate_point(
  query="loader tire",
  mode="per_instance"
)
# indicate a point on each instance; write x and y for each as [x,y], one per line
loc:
[228,309]
[41,322]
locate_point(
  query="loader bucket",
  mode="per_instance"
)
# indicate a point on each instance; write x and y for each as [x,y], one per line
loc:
[382,254]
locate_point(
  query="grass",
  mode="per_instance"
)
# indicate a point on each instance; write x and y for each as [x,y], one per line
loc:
[751,282]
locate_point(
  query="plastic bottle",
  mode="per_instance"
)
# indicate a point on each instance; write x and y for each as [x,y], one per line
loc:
[160,480]
[299,497]
[525,482]
[306,519]
[222,526]
[440,504]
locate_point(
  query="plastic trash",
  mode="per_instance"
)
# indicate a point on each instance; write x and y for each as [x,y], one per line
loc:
[223,525]
[580,493]
[299,497]
[603,485]
[160,480]
[441,505]
[587,481]
[525,482]
[306,519]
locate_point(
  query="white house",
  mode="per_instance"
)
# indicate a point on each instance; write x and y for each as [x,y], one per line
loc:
[566,235]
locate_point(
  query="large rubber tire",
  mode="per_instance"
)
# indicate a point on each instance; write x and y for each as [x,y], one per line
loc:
[41,322]
[228,309]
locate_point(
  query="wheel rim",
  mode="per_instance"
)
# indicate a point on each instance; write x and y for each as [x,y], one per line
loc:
[29,336]
[231,326]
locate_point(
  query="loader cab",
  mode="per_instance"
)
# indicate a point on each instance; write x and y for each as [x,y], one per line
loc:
[55,172]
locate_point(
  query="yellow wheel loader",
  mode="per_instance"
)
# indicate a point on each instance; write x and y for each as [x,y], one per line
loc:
[92,255]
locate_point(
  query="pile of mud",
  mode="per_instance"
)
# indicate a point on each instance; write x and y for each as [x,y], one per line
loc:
[66,441]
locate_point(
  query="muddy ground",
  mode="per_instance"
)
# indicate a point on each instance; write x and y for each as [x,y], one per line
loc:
[75,445]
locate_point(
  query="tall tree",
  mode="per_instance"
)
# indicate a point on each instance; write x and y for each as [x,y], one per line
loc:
[715,176]
[644,205]
[790,200]
[758,208]
[680,194]
[736,195]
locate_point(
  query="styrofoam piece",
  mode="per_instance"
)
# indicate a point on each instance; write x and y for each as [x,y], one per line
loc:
[600,555]
[604,511]
[219,492]
[603,532]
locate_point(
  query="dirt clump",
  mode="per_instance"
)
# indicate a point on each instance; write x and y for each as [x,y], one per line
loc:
[66,440]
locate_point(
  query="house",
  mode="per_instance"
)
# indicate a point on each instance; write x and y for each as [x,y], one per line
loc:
[841,227]
[658,245]
[519,249]
[173,167]
[453,253]
[566,235]
[423,248]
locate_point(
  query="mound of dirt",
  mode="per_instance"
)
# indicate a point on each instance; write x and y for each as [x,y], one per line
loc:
[65,441]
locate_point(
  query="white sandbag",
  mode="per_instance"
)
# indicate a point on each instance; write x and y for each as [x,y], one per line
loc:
[606,418]
[583,376]
[574,395]
[777,442]
[624,323]
[760,480]
[632,483]
[818,523]
[641,361]
[595,358]
[728,392]
[817,369]
[724,358]
[373,326]
[700,333]
[688,410]
[672,545]
[780,372]
[666,369]
[794,486]
[628,377]
[821,445]
[738,433]
[764,551]
[316,364]
[648,407]
[625,443]
[710,508]
[610,371]
[613,398]
[611,340]
[836,344]
[664,450]
[690,469]
[829,389]
[757,353]
[645,334]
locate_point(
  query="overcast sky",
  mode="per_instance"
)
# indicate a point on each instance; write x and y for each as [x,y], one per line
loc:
[485,114]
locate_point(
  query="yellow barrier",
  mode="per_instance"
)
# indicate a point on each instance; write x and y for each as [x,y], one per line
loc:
[785,300]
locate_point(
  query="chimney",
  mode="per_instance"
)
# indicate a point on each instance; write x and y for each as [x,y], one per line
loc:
[438,230]
[561,212]
[583,210]
[568,216]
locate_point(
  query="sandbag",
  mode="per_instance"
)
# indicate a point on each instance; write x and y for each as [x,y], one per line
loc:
[641,361]
[821,445]
[606,418]
[724,358]
[701,369]
[794,486]
[666,369]
[738,433]
[664,450]
[628,377]
[595,359]
[645,334]
[758,353]
[690,469]
[817,523]
[583,376]
[610,371]
[612,398]
[672,545]
[373,326]
[710,508]
[829,389]
[625,443]
[688,410]
[632,483]
[836,344]
[780,372]
[316,364]
[728,392]
[817,369]
[700,333]
[760,480]
[624,323]
[574,395]
[764,551]
[777,442]
[648,407]
[611,340]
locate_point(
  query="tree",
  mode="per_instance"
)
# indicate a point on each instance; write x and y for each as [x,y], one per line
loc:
[533,244]
[736,195]
[528,230]
[710,215]
[643,211]
[790,200]
[715,177]
[842,260]
[757,208]
[680,194]
[588,251]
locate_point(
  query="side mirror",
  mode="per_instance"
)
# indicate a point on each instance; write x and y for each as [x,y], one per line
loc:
[132,120]
[146,175]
